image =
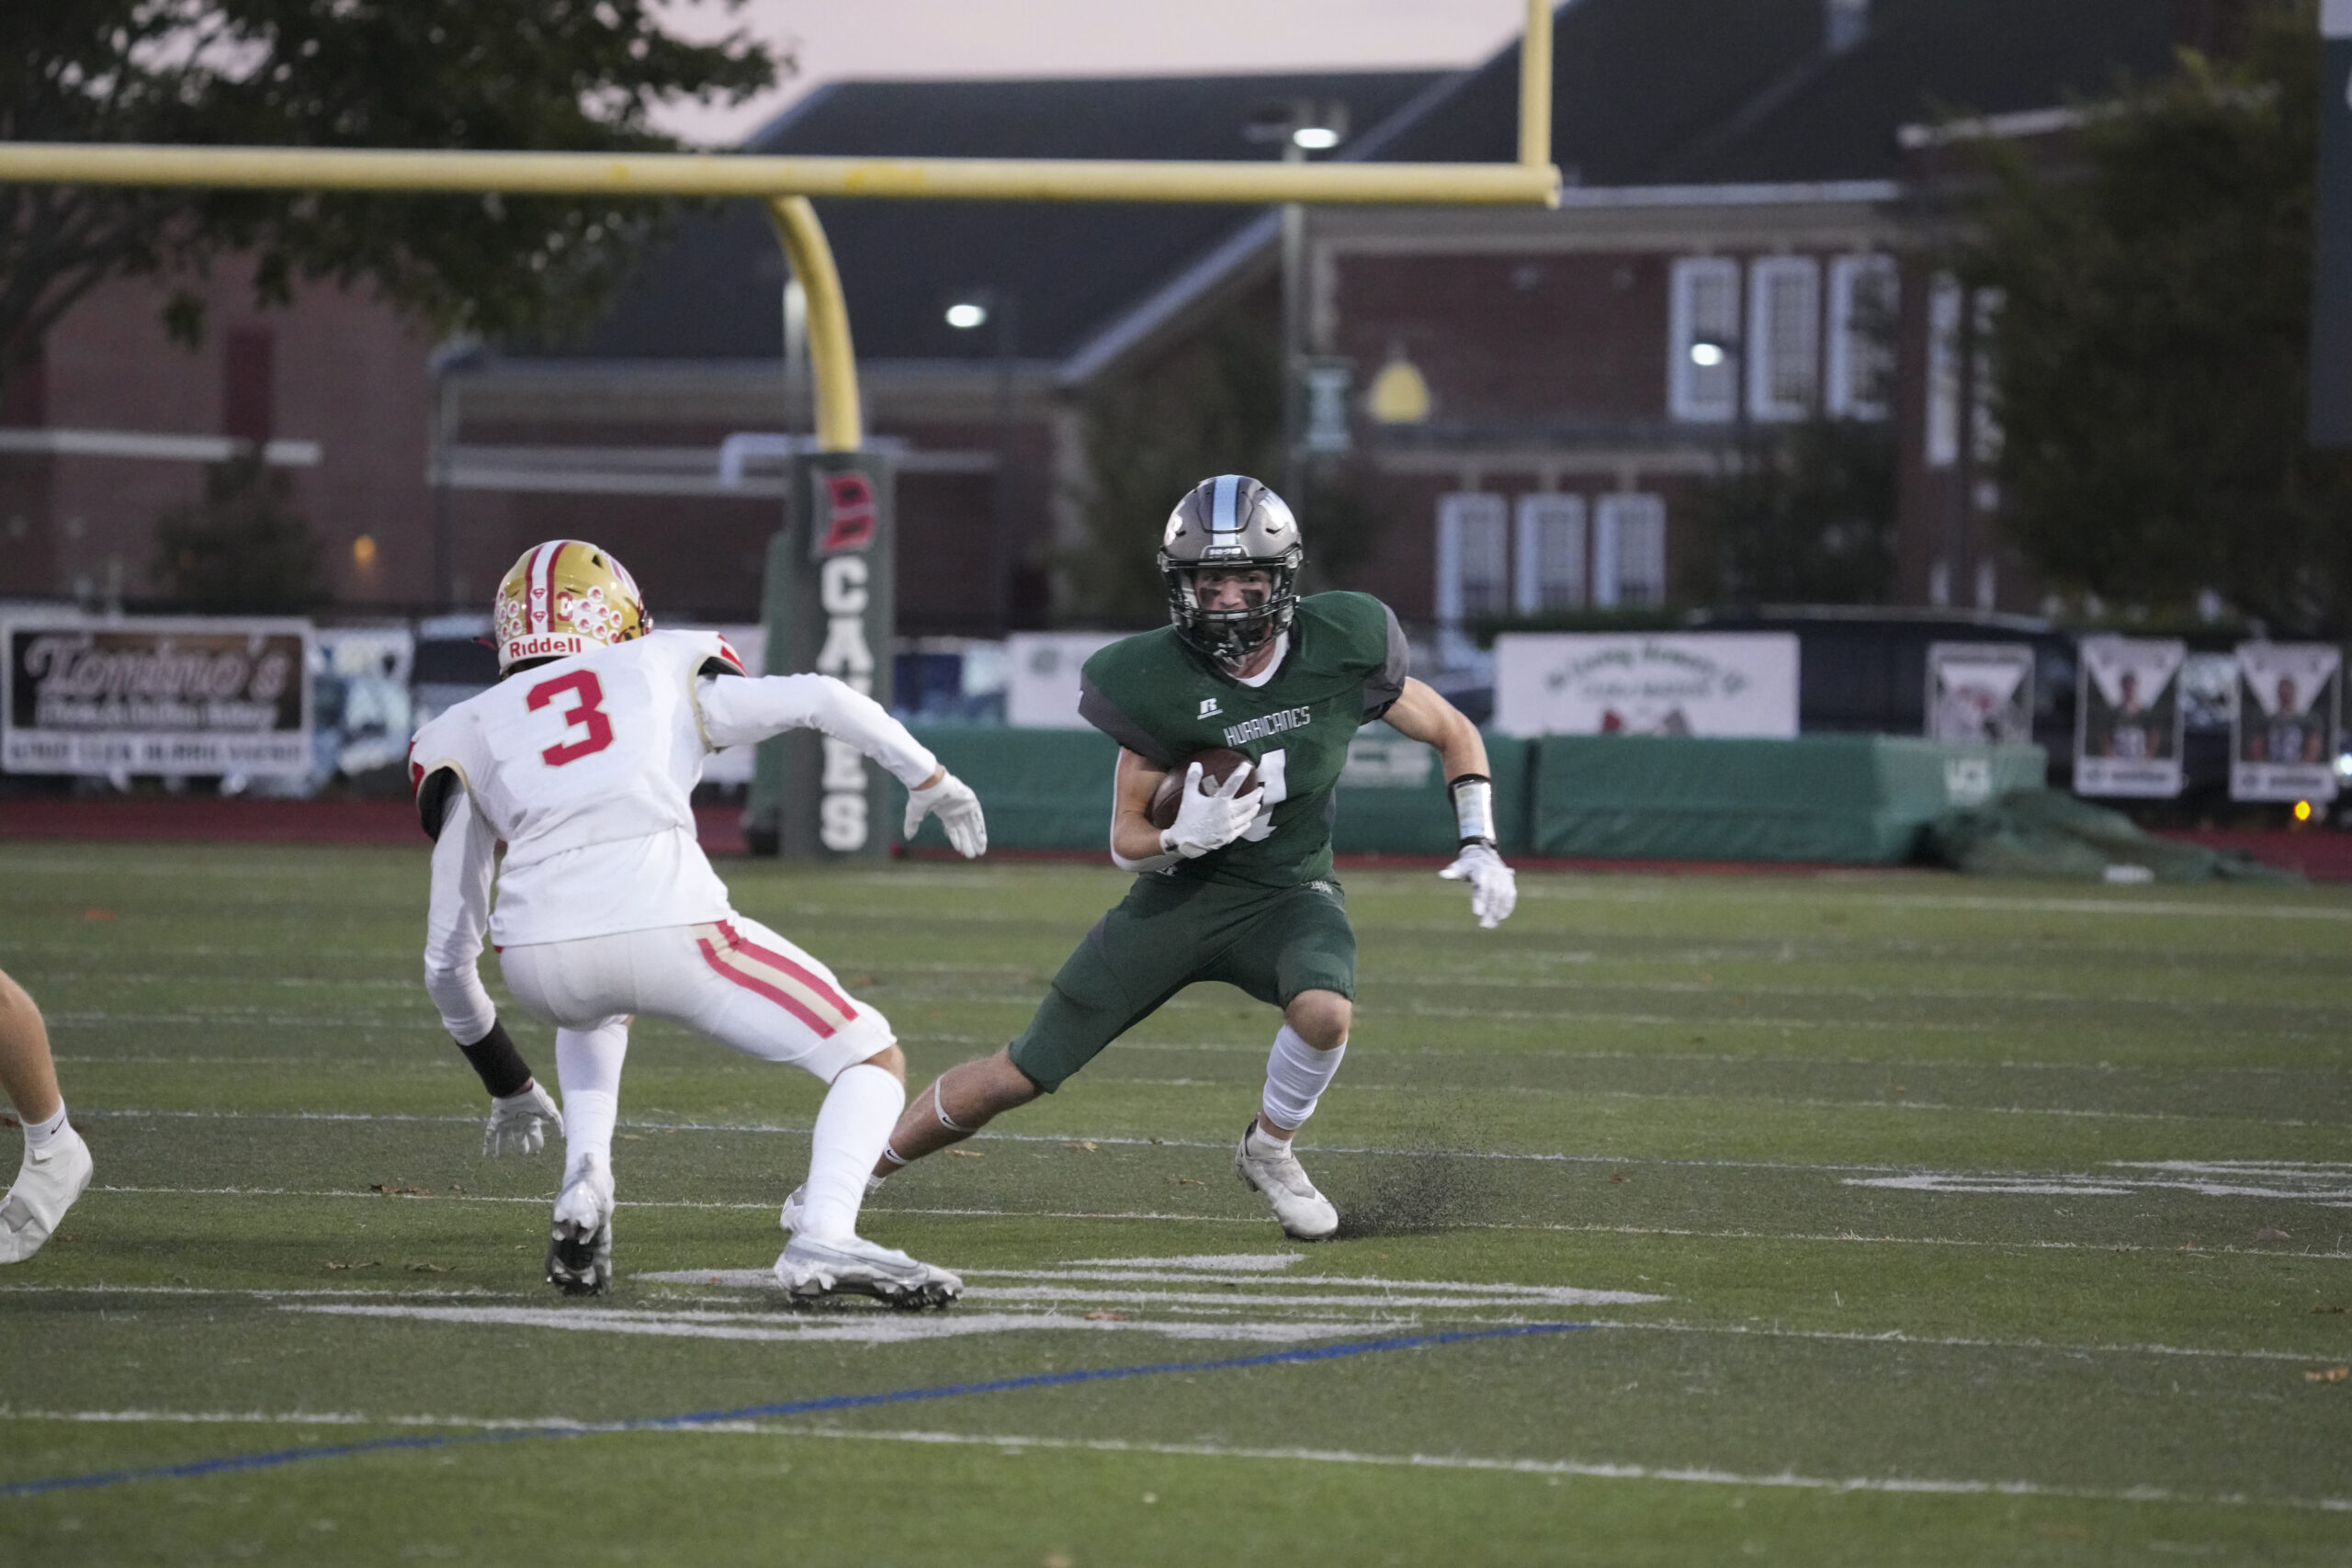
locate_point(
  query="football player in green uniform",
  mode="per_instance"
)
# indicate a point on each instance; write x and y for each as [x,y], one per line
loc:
[1241,889]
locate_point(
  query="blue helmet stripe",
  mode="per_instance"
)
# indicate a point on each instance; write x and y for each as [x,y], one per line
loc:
[1222,510]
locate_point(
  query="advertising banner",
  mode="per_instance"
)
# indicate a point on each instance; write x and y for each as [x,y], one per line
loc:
[2287,732]
[1981,691]
[144,695]
[1041,677]
[2128,719]
[1710,683]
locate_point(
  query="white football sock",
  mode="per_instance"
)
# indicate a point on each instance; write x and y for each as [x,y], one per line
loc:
[853,1125]
[37,1133]
[588,1069]
[1297,1076]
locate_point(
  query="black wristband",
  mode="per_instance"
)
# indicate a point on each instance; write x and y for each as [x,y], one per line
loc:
[501,1066]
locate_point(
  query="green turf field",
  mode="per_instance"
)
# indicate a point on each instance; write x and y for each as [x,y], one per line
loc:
[1841,1220]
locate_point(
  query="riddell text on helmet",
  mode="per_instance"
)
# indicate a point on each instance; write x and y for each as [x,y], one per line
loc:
[543,648]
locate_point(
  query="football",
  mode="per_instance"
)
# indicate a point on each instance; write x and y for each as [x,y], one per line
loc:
[1216,763]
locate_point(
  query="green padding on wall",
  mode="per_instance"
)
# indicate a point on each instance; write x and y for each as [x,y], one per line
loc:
[1043,789]
[1050,789]
[1856,798]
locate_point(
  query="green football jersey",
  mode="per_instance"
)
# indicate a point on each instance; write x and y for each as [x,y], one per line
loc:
[1345,664]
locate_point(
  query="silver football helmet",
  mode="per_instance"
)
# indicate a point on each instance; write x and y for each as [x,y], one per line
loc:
[1236,524]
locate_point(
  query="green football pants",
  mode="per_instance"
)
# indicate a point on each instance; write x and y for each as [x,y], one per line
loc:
[1167,934]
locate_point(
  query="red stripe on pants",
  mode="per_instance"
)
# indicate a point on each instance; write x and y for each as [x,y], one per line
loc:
[782,999]
[782,965]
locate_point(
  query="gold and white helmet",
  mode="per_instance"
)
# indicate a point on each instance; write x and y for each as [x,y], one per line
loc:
[565,597]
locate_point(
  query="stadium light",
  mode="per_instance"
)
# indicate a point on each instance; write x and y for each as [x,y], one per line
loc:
[965,314]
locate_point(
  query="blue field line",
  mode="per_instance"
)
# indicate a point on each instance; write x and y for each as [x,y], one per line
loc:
[756,1412]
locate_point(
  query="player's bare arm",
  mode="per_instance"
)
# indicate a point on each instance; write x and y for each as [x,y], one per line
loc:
[1420,714]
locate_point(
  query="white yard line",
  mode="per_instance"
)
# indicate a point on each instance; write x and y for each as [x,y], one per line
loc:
[1145,1215]
[1581,1469]
[861,1329]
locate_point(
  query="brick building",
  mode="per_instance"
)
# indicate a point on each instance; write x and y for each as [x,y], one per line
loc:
[1750,187]
[115,424]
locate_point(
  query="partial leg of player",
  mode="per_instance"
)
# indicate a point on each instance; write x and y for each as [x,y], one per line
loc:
[57,1162]
[1307,1056]
[826,1254]
[580,1237]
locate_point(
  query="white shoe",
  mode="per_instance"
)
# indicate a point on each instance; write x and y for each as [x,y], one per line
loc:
[1267,1164]
[795,1206]
[47,1184]
[580,1241]
[810,1269]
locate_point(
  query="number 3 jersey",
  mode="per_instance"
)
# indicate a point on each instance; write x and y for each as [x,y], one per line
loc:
[585,768]
[1345,663]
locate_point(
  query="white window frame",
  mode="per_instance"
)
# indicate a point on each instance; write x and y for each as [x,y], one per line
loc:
[1944,306]
[1457,514]
[1629,549]
[1766,343]
[1984,426]
[1861,368]
[1691,389]
[1563,517]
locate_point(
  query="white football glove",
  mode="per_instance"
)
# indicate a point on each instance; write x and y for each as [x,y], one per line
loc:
[959,813]
[1206,821]
[519,1122]
[1494,888]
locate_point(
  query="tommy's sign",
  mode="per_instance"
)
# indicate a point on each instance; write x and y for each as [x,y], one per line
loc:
[830,608]
[139,696]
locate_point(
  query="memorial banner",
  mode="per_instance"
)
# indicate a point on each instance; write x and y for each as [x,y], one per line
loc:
[1981,691]
[1041,677]
[145,696]
[2128,719]
[1704,683]
[2287,730]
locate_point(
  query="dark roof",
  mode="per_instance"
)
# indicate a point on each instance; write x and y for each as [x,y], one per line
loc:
[711,293]
[1644,93]
[1711,92]
[1926,60]
[1632,83]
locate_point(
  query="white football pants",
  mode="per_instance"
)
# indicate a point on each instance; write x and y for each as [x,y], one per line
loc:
[735,981]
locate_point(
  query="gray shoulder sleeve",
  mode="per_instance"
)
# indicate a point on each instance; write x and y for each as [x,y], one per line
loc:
[1103,714]
[1386,684]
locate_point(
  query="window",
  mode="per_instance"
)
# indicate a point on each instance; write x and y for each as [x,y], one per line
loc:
[1629,550]
[1987,418]
[1943,371]
[1705,308]
[1470,580]
[1946,307]
[1783,337]
[1862,301]
[1550,555]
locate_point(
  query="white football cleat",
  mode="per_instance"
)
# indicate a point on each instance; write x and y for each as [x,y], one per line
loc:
[47,1184]
[795,1206]
[852,1265]
[580,1242]
[1267,1164]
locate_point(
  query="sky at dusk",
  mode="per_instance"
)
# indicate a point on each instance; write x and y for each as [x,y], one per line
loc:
[838,39]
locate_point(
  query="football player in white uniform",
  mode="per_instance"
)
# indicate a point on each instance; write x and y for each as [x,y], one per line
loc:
[581,760]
